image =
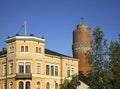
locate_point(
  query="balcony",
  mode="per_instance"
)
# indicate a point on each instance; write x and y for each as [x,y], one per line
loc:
[23,76]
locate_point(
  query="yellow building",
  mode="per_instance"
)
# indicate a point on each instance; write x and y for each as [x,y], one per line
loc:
[25,63]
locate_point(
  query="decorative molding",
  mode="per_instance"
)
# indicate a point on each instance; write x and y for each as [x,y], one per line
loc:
[24,54]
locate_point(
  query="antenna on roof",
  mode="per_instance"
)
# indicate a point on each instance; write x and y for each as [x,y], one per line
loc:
[23,26]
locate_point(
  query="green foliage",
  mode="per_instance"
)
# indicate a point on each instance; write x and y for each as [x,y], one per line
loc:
[70,84]
[98,77]
[115,64]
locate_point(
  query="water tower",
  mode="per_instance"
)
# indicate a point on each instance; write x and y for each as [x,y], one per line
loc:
[82,37]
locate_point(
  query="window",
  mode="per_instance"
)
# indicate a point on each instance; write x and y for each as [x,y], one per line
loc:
[56,85]
[38,67]
[56,70]
[48,85]
[28,67]
[52,70]
[22,48]
[11,85]
[21,67]
[26,48]
[11,68]
[21,85]
[70,71]
[24,67]
[4,69]
[12,49]
[4,85]
[47,70]
[27,85]
[38,50]
[38,85]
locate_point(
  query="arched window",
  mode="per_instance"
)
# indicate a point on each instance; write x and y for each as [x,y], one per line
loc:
[48,85]
[4,85]
[21,85]
[38,85]
[11,85]
[27,85]
[56,85]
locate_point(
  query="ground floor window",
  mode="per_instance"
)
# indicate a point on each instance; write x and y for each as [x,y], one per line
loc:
[38,85]
[21,85]
[11,85]
[56,85]
[4,85]
[48,85]
[27,85]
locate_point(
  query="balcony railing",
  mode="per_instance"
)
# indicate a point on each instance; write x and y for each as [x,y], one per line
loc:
[23,76]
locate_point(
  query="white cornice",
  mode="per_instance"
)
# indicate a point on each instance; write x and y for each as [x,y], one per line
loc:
[32,38]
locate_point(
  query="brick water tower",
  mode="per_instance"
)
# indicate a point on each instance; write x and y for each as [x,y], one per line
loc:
[82,37]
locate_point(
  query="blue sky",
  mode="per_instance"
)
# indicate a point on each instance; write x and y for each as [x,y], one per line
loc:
[56,19]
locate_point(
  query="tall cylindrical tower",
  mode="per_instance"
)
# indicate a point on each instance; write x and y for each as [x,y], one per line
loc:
[82,37]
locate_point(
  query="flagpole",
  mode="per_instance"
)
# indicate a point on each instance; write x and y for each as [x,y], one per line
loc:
[25,28]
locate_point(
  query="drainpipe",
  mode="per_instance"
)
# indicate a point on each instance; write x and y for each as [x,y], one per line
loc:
[61,68]
[6,74]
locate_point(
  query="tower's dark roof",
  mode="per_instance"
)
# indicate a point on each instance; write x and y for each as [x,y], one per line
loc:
[47,51]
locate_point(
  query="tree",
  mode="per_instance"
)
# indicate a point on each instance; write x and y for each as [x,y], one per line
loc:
[72,84]
[115,64]
[98,77]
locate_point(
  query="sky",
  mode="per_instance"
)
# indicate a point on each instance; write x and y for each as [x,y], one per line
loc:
[56,20]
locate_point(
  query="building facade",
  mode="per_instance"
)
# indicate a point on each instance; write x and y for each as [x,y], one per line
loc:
[25,63]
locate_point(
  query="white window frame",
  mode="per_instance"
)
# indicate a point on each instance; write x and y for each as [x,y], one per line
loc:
[11,49]
[4,71]
[54,65]
[71,68]
[11,70]
[24,61]
[38,62]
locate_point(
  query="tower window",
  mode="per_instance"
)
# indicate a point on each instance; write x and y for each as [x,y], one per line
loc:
[26,48]
[12,49]
[22,48]
[38,50]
